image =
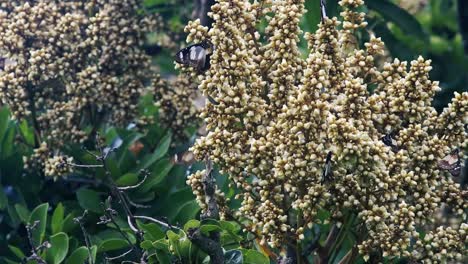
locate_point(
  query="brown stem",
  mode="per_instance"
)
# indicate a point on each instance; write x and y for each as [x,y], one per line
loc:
[324,251]
[208,245]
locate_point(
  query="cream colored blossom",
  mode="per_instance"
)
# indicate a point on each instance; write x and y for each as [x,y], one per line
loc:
[278,115]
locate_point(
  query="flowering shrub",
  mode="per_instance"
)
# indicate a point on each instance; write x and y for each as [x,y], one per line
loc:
[72,66]
[276,117]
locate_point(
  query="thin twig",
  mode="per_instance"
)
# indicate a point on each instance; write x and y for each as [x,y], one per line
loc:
[120,256]
[79,220]
[157,221]
[145,173]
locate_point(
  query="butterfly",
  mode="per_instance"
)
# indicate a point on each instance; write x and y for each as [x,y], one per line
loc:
[327,172]
[390,141]
[196,55]
[451,162]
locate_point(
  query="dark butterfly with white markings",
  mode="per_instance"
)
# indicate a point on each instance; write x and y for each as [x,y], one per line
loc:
[390,141]
[327,172]
[196,55]
[451,162]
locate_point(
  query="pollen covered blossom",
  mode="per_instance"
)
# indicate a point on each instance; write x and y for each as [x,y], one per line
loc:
[275,116]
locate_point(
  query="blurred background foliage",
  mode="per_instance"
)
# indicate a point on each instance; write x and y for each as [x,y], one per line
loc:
[430,28]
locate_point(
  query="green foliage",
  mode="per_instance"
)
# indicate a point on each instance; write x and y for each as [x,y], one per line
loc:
[27,197]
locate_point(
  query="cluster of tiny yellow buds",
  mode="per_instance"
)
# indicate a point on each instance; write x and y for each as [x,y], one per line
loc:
[58,166]
[195,181]
[302,135]
[72,59]
[196,32]
[444,244]
[175,99]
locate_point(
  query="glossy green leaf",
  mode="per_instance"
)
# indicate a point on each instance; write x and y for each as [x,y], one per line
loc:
[160,171]
[112,244]
[174,241]
[158,153]
[39,214]
[161,244]
[4,121]
[89,200]
[191,224]
[127,179]
[206,229]
[312,16]
[146,245]
[68,223]
[8,261]
[23,212]
[79,256]
[163,257]
[27,132]
[8,142]
[57,219]
[152,231]
[399,16]
[59,248]
[16,251]
[187,211]
[254,257]
[233,257]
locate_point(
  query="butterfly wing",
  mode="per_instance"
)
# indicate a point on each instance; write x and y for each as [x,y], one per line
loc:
[451,162]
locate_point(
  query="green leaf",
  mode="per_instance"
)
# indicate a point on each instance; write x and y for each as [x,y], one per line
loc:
[233,257]
[57,219]
[187,211]
[404,20]
[23,212]
[163,257]
[146,245]
[39,214]
[68,224]
[113,244]
[7,261]
[7,143]
[174,241]
[79,256]
[13,215]
[3,198]
[158,153]
[206,229]
[161,169]
[4,121]
[254,257]
[152,231]
[191,224]
[312,16]
[161,244]
[16,251]
[27,132]
[229,226]
[59,249]
[89,200]
[127,179]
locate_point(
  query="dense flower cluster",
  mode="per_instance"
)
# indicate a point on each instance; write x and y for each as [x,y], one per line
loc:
[177,110]
[73,64]
[277,117]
